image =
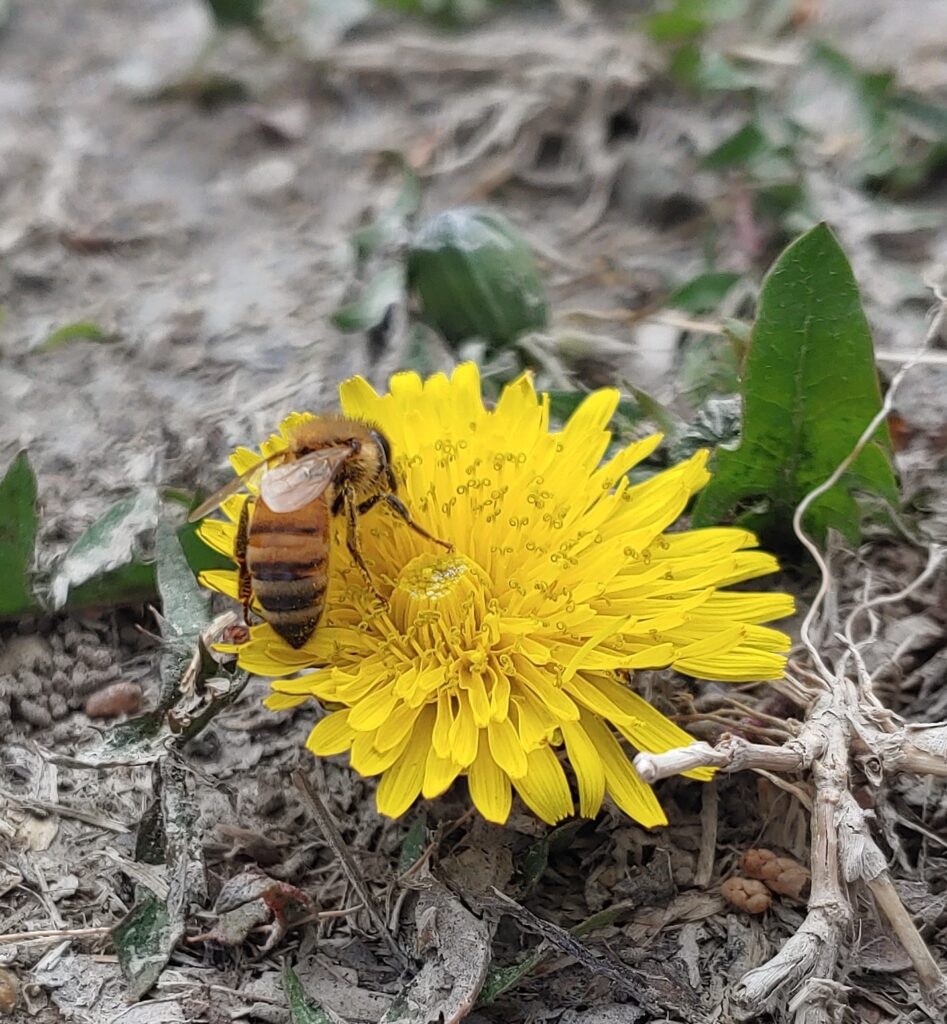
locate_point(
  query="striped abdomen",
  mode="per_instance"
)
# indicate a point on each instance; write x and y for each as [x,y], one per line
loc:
[288,563]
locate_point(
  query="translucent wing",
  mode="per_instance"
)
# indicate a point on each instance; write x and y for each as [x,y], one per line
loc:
[238,482]
[290,486]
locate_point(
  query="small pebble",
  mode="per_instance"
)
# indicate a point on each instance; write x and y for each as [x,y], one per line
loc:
[114,700]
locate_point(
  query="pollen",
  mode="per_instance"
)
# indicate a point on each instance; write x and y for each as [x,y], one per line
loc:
[506,662]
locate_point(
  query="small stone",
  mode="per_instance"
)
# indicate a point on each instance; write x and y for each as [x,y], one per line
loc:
[94,656]
[24,652]
[269,177]
[58,707]
[117,699]
[286,123]
[33,713]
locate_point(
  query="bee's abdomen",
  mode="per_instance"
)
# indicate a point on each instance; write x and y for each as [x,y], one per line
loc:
[288,561]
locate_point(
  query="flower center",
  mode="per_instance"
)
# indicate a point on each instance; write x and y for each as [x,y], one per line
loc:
[437,589]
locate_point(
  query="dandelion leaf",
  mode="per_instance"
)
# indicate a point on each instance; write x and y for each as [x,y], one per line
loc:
[809,390]
[18,523]
[301,1009]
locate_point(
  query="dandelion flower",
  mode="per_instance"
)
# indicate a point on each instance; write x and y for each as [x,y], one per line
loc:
[511,655]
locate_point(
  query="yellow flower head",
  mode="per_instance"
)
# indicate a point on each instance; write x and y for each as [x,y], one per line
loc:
[496,659]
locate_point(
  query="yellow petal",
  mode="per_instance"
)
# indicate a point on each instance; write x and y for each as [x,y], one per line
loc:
[367,760]
[544,788]
[283,701]
[374,709]
[218,535]
[357,398]
[439,774]
[506,749]
[489,787]
[632,795]
[222,580]
[332,735]
[588,768]
[401,783]
[464,735]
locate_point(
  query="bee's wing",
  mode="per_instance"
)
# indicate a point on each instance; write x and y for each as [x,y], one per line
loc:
[219,497]
[290,486]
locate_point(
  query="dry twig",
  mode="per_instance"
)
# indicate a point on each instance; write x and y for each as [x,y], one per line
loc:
[846,727]
[332,835]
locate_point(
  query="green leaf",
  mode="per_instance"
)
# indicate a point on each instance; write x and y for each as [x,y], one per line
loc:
[707,365]
[143,942]
[412,848]
[201,557]
[500,980]
[739,149]
[127,585]
[534,862]
[687,19]
[562,404]
[810,389]
[716,425]
[704,292]
[301,1009]
[18,524]
[147,936]
[386,288]
[105,566]
[391,226]
[185,604]
[82,331]
[233,13]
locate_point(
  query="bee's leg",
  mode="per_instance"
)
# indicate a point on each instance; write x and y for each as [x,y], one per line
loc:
[244,584]
[351,537]
[400,509]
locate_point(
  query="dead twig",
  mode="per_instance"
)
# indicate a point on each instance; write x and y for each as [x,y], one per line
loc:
[54,934]
[846,728]
[332,835]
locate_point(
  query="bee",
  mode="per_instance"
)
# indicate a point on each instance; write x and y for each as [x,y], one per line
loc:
[332,466]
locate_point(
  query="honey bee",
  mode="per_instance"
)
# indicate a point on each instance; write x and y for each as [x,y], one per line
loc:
[332,466]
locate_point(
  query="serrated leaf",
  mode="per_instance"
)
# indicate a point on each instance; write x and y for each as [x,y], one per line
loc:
[301,1009]
[810,389]
[111,543]
[18,524]
[386,288]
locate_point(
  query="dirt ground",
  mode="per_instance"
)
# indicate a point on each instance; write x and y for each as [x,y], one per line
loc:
[208,241]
